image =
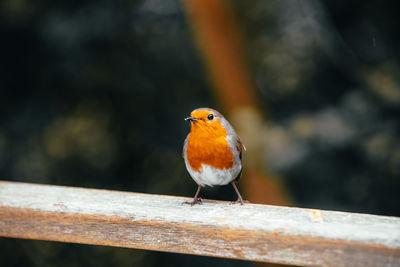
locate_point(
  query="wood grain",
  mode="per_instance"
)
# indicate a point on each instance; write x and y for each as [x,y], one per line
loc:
[249,232]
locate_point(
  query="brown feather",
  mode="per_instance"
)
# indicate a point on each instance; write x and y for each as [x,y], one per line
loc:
[240,147]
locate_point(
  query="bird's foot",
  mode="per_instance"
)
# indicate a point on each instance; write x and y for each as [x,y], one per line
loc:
[195,201]
[240,201]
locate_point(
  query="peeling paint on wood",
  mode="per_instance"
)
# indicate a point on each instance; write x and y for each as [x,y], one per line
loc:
[216,228]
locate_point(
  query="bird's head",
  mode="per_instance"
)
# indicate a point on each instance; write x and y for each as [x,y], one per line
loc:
[207,121]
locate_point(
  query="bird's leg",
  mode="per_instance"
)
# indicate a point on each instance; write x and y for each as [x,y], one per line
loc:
[240,199]
[196,199]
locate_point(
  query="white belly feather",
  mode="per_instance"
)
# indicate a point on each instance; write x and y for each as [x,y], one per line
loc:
[211,176]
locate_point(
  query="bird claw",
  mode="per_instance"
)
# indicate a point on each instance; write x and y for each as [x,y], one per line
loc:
[240,201]
[194,202]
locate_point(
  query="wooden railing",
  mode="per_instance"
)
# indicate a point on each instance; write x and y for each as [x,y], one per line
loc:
[216,228]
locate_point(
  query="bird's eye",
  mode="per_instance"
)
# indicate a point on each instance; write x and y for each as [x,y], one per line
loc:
[210,117]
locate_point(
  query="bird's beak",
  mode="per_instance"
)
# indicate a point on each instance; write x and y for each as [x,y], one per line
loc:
[191,119]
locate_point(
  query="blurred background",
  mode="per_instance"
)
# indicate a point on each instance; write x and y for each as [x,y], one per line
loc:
[93,94]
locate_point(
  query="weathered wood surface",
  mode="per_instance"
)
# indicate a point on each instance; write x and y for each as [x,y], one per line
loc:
[216,228]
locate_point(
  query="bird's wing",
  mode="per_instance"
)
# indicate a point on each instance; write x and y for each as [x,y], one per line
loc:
[240,146]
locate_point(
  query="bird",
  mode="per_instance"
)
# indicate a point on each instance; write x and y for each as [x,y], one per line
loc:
[212,152]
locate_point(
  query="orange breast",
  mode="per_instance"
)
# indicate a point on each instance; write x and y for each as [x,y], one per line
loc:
[209,146]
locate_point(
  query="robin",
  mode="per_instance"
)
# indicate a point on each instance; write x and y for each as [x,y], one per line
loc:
[212,152]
